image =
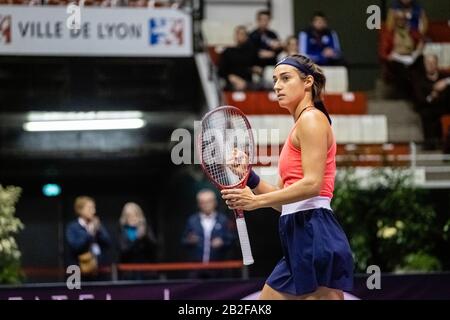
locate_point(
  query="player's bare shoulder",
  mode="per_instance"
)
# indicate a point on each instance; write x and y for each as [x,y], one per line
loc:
[312,119]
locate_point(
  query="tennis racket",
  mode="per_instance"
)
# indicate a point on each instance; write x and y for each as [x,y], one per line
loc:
[226,151]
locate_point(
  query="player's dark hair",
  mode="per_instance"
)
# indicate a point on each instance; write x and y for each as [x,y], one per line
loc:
[319,80]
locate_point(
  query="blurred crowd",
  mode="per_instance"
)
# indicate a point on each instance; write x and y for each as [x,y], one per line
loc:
[248,65]
[208,236]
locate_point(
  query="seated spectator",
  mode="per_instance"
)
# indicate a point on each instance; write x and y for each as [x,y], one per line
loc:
[320,43]
[265,40]
[431,99]
[207,235]
[87,239]
[415,15]
[137,242]
[237,64]
[400,50]
[290,47]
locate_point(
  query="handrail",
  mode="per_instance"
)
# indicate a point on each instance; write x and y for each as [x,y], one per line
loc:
[157,267]
[178,266]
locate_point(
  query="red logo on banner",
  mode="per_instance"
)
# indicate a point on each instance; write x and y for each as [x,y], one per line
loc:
[5,29]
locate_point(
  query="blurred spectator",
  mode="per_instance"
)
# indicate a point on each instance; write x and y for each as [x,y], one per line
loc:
[34,2]
[290,47]
[137,241]
[173,4]
[400,49]
[431,99]
[178,4]
[208,235]
[87,239]
[415,15]
[320,43]
[265,40]
[237,64]
[139,3]
[57,2]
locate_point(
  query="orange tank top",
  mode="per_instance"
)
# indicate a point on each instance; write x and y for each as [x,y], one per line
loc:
[290,166]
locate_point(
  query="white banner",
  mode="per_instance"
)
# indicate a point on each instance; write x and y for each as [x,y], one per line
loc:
[89,31]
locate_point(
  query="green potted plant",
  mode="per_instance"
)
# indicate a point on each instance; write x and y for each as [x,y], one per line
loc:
[387,220]
[9,227]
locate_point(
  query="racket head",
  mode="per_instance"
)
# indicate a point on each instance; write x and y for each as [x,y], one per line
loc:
[237,121]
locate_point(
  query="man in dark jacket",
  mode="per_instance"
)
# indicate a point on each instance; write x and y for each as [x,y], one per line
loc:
[238,63]
[87,239]
[208,234]
[265,40]
[320,43]
[431,96]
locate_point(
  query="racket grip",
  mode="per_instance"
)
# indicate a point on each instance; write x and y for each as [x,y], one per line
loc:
[244,241]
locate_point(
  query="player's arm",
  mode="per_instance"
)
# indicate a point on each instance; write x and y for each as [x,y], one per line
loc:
[265,187]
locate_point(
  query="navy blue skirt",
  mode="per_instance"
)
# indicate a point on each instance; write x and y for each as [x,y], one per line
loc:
[316,253]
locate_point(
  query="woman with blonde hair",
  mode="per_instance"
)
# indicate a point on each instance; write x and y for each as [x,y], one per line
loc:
[137,241]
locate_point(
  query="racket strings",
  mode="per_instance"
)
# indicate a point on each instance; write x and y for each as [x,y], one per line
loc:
[226,146]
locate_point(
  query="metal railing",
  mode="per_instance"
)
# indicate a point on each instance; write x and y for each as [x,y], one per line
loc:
[117,269]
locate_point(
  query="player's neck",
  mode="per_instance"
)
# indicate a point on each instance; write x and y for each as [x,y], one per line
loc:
[305,103]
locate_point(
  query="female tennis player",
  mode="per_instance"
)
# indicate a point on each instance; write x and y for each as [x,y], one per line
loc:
[317,262]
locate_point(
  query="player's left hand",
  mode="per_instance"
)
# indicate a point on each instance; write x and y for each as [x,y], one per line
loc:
[240,199]
[238,162]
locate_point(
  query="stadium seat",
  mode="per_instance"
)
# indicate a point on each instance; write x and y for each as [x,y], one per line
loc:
[337,79]
[442,51]
[218,33]
[214,53]
[247,101]
[439,31]
[445,122]
[372,155]
[265,102]
[354,155]
[346,103]
[358,129]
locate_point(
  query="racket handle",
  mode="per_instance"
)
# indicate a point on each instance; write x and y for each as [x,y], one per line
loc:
[245,242]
